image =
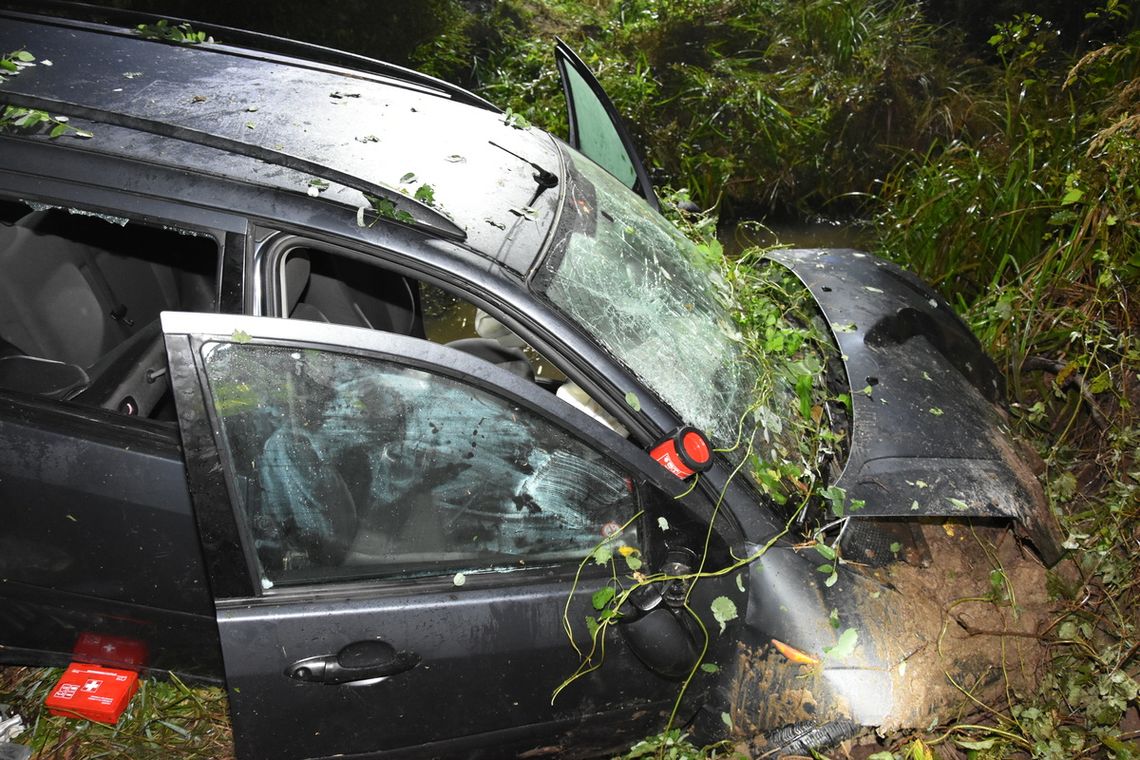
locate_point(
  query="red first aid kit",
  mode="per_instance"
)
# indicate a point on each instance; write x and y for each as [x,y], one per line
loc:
[92,692]
[114,651]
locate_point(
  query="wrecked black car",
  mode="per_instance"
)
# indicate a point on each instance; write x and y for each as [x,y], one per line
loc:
[426,433]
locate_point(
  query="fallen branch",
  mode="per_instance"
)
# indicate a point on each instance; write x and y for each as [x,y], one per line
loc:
[1044,364]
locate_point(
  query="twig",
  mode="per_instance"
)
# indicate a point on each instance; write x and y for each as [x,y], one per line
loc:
[1045,364]
[986,632]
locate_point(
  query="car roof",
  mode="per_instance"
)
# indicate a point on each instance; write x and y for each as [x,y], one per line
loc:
[282,122]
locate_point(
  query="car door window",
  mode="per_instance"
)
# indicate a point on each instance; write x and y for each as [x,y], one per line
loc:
[596,129]
[80,295]
[354,467]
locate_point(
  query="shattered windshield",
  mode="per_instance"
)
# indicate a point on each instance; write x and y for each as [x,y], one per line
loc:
[645,292]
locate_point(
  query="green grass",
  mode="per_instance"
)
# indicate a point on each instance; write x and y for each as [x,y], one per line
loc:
[164,719]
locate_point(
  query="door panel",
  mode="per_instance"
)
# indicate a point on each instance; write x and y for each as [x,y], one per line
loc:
[596,128]
[400,507]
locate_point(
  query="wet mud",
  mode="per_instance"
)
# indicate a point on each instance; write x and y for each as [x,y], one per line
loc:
[950,635]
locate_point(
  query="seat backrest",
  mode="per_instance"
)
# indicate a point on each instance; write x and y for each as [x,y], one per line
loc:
[54,302]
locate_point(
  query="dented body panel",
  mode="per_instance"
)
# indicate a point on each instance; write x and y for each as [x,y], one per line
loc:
[928,436]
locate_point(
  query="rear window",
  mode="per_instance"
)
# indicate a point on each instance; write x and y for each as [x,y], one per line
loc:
[80,296]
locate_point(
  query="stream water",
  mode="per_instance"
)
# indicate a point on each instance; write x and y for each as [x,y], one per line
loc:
[822,234]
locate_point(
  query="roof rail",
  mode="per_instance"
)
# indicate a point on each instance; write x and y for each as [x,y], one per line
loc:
[252,42]
[423,216]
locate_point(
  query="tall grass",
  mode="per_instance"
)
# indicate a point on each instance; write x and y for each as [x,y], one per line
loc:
[762,105]
[1032,227]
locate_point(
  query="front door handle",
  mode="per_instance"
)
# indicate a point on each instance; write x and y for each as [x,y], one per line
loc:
[359,661]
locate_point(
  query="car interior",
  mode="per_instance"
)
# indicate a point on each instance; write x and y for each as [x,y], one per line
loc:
[81,294]
[324,287]
[80,298]
[329,287]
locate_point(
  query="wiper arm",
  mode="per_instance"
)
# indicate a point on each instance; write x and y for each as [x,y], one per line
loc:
[545,179]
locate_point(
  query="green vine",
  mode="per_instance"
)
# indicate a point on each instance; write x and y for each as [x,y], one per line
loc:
[785,442]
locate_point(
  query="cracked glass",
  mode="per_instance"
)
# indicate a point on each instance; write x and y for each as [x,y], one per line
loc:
[645,292]
[349,467]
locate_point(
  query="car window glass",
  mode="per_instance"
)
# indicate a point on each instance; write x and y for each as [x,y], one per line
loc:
[325,287]
[350,467]
[649,297]
[597,136]
[80,295]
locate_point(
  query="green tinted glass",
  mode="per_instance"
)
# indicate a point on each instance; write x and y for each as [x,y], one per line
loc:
[597,136]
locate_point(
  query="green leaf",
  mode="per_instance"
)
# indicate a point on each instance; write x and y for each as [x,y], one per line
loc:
[833,619]
[740,582]
[633,401]
[1074,195]
[983,744]
[633,561]
[844,647]
[896,547]
[58,130]
[825,569]
[425,194]
[592,626]
[603,554]
[825,551]
[459,579]
[936,411]
[240,336]
[958,504]
[602,597]
[726,719]
[723,610]
[710,667]
[803,392]
[832,579]
[23,56]
[407,178]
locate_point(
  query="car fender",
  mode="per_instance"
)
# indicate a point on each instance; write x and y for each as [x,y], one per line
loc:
[928,435]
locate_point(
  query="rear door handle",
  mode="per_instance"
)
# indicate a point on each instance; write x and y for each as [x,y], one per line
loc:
[359,661]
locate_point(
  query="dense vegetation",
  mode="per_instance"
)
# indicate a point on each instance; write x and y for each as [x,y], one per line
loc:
[994,151]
